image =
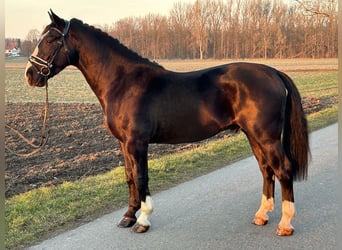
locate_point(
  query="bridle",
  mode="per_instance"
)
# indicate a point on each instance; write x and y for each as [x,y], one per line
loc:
[44,67]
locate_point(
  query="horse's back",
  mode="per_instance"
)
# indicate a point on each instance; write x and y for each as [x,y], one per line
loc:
[187,107]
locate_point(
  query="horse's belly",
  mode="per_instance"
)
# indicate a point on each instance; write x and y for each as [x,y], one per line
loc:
[184,133]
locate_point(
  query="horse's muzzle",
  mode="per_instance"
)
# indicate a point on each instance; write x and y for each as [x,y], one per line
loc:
[33,78]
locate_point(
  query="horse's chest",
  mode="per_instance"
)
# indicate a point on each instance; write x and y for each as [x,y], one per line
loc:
[120,120]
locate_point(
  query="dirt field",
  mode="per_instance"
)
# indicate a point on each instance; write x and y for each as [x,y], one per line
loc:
[78,144]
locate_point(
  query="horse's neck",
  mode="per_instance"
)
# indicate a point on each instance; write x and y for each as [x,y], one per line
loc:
[91,62]
[96,64]
[101,67]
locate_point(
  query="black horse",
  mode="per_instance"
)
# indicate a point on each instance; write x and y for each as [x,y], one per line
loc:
[144,103]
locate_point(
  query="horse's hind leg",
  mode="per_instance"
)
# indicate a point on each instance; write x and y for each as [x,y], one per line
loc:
[267,199]
[279,164]
[284,175]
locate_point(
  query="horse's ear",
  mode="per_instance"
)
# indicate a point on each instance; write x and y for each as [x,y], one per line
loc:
[55,19]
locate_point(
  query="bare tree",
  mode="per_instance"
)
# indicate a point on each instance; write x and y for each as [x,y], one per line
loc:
[30,43]
[198,16]
[318,7]
[33,36]
[180,30]
[215,25]
[234,29]
[322,35]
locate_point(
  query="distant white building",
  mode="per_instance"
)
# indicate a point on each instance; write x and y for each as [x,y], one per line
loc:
[14,52]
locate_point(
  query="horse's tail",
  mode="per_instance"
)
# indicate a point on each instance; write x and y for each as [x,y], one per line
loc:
[295,132]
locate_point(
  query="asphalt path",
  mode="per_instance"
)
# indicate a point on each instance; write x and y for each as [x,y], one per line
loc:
[216,211]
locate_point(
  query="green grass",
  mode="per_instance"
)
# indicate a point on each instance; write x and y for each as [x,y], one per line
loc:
[70,86]
[323,118]
[316,83]
[34,214]
[40,213]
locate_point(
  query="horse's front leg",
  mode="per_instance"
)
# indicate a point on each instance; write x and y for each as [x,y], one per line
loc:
[129,218]
[135,155]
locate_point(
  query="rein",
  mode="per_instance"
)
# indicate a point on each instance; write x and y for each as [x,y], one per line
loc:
[43,137]
[43,68]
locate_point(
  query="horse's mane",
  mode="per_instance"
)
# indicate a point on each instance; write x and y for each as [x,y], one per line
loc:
[115,43]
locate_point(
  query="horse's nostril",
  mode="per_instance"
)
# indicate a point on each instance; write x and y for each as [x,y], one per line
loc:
[28,77]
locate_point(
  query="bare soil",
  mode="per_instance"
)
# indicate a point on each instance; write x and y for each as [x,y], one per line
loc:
[78,144]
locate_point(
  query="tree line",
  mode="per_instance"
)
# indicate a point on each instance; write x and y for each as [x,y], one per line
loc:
[231,29]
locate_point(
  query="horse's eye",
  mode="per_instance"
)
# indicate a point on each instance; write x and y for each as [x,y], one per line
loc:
[50,38]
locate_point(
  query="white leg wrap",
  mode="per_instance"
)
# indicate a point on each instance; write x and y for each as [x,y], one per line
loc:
[267,205]
[288,212]
[146,211]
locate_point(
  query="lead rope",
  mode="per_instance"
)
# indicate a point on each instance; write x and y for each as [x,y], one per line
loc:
[44,134]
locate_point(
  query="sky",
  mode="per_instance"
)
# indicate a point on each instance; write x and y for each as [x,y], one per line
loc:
[25,15]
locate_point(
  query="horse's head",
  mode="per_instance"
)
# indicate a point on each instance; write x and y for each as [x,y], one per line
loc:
[51,54]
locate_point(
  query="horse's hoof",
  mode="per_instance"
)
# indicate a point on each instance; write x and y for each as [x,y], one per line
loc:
[260,221]
[285,231]
[126,222]
[137,228]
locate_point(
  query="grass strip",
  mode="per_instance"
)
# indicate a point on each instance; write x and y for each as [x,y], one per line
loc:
[43,212]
